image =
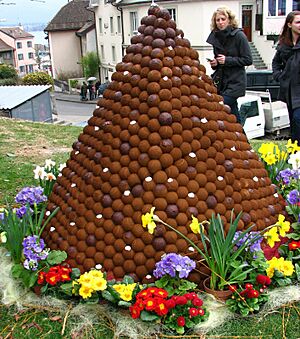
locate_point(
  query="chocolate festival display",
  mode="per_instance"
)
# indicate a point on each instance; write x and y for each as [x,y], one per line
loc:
[160,137]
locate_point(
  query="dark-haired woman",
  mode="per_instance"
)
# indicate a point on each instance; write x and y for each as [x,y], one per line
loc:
[231,55]
[286,70]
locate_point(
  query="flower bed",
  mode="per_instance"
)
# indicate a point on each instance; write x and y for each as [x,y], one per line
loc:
[249,263]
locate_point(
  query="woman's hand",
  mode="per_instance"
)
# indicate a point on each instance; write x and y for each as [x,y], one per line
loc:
[221,59]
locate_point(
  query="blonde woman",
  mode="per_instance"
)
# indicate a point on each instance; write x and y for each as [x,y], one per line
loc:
[231,55]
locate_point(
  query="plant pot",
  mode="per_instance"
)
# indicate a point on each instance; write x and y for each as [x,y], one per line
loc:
[218,294]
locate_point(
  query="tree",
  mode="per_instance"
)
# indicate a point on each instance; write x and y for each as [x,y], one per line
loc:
[90,64]
[37,78]
[8,75]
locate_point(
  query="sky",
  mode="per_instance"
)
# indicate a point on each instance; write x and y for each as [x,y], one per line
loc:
[29,11]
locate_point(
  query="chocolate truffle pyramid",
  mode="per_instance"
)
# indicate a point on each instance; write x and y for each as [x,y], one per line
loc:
[161,137]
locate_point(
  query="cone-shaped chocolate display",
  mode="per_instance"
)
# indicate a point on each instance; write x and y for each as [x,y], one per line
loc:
[160,137]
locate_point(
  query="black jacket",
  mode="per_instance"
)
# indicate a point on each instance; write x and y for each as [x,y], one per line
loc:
[286,70]
[238,55]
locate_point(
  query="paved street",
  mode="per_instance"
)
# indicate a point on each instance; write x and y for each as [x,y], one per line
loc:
[71,110]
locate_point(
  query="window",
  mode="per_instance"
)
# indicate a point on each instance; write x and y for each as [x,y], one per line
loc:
[281,7]
[19,44]
[277,7]
[100,26]
[22,69]
[20,56]
[102,52]
[111,21]
[249,110]
[119,24]
[30,55]
[172,12]
[133,22]
[29,43]
[113,53]
[30,68]
[296,5]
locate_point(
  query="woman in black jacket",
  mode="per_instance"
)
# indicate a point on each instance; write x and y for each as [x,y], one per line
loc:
[286,70]
[231,55]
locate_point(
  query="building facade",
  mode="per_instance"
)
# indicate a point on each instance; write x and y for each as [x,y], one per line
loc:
[71,34]
[118,20]
[22,44]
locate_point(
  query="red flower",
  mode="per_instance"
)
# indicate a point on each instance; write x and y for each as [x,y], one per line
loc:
[41,278]
[52,278]
[161,308]
[263,279]
[134,312]
[160,292]
[54,269]
[144,294]
[170,303]
[252,294]
[193,312]
[197,302]
[139,304]
[293,245]
[181,300]
[65,273]
[180,321]
[150,304]
[201,311]
[249,286]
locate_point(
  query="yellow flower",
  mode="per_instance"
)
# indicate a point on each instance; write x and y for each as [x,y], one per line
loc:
[85,279]
[270,159]
[118,287]
[85,291]
[195,225]
[270,271]
[147,221]
[95,274]
[283,226]
[273,263]
[272,236]
[287,268]
[99,284]
[292,147]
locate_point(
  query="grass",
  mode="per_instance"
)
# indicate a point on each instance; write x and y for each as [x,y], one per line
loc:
[23,145]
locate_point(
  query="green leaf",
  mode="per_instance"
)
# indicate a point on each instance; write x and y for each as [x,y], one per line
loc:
[56,257]
[75,273]
[17,270]
[127,280]
[180,329]
[146,316]
[123,303]
[108,296]
[67,288]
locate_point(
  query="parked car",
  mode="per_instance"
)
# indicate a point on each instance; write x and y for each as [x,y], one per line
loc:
[262,81]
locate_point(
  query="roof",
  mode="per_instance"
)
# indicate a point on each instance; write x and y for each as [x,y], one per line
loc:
[16,32]
[85,29]
[5,47]
[72,16]
[13,96]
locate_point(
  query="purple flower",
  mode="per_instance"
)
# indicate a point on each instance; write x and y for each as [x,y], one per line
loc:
[1,216]
[287,175]
[30,195]
[252,245]
[293,197]
[34,251]
[173,264]
[22,211]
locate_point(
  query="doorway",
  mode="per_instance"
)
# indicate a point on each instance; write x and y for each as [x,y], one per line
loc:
[247,21]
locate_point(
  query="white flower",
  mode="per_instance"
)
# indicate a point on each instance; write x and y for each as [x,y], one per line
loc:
[62,166]
[39,172]
[294,160]
[3,237]
[50,176]
[49,164]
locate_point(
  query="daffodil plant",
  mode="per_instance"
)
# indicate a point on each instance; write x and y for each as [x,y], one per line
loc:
[220,253]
